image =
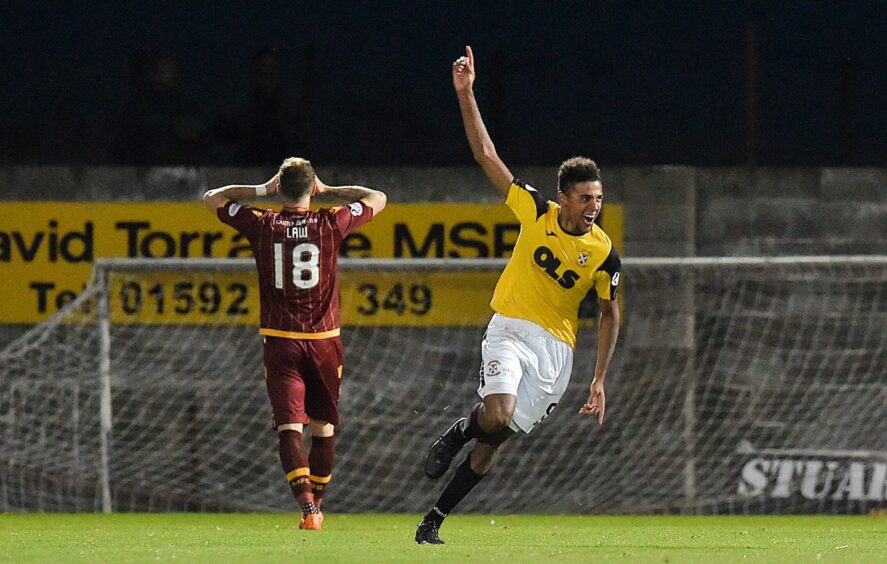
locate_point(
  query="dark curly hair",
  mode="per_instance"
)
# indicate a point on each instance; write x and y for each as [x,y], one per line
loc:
[575,170]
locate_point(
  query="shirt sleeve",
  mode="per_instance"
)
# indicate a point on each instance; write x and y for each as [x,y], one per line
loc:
[349,218]
[608,276]
[526,202]
[243,218]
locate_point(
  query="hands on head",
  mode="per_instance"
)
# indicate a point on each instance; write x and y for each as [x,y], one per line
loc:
[319,186]
[273,185]
[463,71]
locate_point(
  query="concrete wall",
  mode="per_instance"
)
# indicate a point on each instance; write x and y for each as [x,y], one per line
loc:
[791,211]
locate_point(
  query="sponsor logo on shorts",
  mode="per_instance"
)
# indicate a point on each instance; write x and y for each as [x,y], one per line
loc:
[356,208]
[234,208]
[493,368]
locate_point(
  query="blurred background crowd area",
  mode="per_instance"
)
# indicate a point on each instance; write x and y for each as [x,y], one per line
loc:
[716,83]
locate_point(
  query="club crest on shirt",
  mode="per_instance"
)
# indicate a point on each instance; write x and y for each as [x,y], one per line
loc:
[583,258]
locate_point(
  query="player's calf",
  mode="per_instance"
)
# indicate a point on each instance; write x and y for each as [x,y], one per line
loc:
[320,461]
[295,464]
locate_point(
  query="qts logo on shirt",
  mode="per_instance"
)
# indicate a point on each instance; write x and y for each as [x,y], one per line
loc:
[546,259]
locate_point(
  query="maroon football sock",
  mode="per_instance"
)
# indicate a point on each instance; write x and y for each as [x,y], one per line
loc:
[295,465]
[320,460]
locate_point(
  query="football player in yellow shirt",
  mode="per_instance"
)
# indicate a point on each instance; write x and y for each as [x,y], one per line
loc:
[560,255]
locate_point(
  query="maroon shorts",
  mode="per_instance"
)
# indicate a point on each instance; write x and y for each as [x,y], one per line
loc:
[302,378]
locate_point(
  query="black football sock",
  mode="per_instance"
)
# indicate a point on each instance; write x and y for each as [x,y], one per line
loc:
[462,482]
[470,427]
[435,515]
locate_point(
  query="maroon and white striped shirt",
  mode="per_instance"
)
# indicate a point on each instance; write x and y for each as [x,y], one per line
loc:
[296,256]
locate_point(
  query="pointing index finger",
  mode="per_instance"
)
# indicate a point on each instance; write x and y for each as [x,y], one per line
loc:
[470,55]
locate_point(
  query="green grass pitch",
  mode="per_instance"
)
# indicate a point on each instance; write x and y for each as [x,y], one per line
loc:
[220,538]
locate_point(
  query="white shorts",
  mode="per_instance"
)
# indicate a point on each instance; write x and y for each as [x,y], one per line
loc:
[522,359]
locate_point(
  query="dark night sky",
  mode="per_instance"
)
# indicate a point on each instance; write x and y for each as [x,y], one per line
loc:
[624,82]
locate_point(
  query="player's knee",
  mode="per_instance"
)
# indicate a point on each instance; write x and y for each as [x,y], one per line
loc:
[502,420]
[293,427]
[495,420]
[497,412]
[320,428]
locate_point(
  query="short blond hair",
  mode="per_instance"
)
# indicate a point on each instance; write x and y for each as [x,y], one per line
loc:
[296,178]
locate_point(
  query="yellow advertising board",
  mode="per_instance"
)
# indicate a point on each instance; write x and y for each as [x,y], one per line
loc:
[384,299]
[47,250]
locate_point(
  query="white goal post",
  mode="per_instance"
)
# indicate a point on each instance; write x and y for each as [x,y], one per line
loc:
[751,384]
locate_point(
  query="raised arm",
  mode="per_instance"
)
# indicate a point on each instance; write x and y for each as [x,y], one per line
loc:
[216,198]
[608,333]
[481,145]
[347,194]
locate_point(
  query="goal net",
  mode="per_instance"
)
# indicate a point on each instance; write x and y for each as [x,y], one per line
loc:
[738,385]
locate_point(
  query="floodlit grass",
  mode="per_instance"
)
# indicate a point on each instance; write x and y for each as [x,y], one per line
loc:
[389,538]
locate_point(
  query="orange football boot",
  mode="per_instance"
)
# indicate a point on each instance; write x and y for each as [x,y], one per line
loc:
[312,522]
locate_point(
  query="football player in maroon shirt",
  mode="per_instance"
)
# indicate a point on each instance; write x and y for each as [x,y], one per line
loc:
[296,252]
